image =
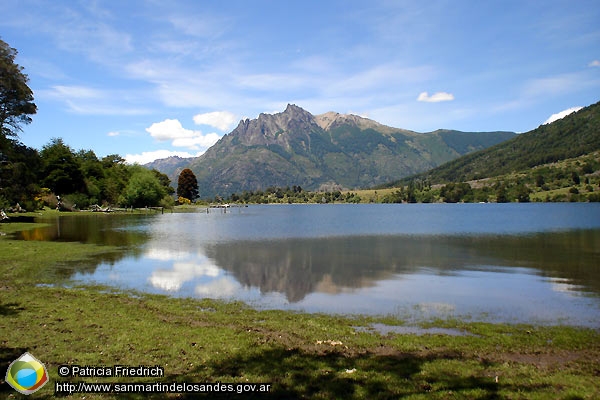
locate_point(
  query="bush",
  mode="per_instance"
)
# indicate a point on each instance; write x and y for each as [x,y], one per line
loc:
[182,200]
[4,203]
[78,200]
[166,202]
[48,198]
[594,197]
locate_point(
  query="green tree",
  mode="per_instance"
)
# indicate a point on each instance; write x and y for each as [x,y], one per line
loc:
[93,173]
[19,169]
[164,180]
[539,180]
[523,194]
[575,178]
[187,185]
[61,168]
[16,98]
[143,189]
[501,193]
[116,175]
[410,193]
[455,192]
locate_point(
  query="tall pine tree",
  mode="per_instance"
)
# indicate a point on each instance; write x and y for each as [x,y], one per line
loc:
[187,185]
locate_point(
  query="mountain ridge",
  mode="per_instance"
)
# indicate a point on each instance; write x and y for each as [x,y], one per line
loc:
[294,147]
[571,136]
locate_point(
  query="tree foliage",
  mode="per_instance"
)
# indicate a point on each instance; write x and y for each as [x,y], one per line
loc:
[187,185]
[19,169]
[143,189]
[61,168]
[16,98]
[79,177]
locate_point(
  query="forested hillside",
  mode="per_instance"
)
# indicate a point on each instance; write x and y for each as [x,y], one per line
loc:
[572,136]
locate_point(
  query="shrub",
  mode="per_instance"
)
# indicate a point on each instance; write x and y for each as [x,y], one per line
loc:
[182,200]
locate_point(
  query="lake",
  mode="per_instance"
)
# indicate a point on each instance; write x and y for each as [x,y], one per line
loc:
[533,263]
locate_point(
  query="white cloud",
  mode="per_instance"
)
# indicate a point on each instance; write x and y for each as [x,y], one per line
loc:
[222,120]
[218,288]
[595,63]
[113,133]
[165,254]
[171,129]
[436,97]
[149,156]
[202,141]
[562,114]
[172,279]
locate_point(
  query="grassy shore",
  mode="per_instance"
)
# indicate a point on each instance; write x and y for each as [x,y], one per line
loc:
[300,355]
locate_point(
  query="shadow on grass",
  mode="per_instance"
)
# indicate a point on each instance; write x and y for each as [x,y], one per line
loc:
[295,374]
[9,309]
[301,374]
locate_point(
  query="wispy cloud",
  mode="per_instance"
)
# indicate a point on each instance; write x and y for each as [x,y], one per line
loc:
[92,101]
[76,92]
[534,91]
[81,30]
[203,25]
[554,85]
[595,63]
[379,79]
[436,97]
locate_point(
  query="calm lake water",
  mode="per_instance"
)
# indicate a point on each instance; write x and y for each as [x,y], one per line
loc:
[537,263]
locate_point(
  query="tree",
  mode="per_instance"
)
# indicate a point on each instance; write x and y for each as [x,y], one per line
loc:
[164,180]
[501,194]
[116,177]
[187,185]
[19,169]
[143,189]
[455,192]
[61,168]
[523,194]
[16,98]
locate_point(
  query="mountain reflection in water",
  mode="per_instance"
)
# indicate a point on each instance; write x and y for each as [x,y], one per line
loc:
[491,262]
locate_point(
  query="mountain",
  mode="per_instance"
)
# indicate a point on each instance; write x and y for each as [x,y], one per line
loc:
[171,166]
[572,136]
[330,150]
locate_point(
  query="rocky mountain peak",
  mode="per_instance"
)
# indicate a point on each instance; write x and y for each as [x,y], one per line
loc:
[272,128]
[293,113]
[331,120]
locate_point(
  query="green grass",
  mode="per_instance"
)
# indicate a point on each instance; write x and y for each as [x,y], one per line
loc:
[301,355]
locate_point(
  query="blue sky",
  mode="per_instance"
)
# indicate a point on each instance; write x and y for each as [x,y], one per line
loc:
[147,79]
